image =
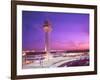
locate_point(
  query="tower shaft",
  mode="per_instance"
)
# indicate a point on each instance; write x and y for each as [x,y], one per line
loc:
[47,42]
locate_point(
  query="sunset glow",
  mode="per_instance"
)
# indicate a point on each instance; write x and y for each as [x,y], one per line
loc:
[69,30]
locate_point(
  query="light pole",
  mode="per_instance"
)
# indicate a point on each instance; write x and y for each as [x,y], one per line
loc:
[47,30]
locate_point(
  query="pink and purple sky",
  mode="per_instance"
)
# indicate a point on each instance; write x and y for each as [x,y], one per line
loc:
[69,30]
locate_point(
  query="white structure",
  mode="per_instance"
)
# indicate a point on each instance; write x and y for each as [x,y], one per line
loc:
[47,30]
